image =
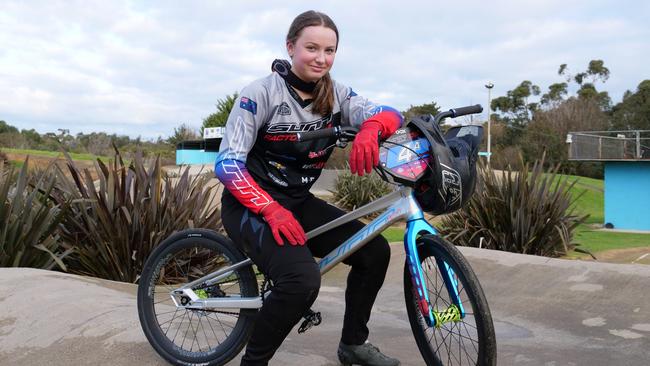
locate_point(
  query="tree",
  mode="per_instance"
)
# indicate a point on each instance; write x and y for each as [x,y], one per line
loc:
[633,113]
[555,95]
[7,128]
[534,127]
[182,133]
[422,109]
[220,117]
[586,80]
[548,130]
[33,138]
[515,105]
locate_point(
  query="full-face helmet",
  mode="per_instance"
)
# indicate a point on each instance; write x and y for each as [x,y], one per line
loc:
[440,168]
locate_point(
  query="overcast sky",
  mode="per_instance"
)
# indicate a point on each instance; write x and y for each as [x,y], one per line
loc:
[144,67]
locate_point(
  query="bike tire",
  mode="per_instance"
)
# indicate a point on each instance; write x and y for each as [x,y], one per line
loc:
[180,259]
[468,341]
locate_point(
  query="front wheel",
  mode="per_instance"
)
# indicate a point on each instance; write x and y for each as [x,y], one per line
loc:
[455,340]
[183,336]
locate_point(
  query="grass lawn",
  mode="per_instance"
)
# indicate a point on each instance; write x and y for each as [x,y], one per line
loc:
[598,241]
[393,234]
[590,198]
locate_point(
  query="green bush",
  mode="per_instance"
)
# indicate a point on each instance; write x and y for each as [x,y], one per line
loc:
[115,221]
[339,158]
[524,211]
[352,191]
[28,219]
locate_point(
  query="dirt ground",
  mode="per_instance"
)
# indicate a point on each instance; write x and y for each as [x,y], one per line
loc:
[629,255]
[42,162]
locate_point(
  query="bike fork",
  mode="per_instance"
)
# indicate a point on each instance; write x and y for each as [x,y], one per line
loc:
[433,317]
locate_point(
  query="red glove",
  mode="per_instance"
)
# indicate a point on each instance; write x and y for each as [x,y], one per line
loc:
[365,148]
[282,222]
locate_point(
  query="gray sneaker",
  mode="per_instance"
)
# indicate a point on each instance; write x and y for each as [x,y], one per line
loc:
[365,354]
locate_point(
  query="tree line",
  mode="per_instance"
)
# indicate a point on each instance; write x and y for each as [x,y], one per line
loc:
[528,122]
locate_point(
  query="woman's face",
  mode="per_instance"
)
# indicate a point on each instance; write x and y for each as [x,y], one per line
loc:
[312,54]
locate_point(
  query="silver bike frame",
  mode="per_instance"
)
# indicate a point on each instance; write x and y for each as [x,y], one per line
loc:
[398,205]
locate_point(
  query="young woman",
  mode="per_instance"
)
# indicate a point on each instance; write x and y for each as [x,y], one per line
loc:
[267,206]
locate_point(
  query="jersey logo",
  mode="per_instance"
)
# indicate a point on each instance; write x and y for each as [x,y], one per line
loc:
[284,109]
[289,127]
[248,104]
[317,154]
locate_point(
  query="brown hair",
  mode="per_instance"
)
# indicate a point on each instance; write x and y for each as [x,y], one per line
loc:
[323,103]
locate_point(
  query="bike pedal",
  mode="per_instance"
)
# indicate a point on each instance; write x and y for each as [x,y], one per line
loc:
[311,319]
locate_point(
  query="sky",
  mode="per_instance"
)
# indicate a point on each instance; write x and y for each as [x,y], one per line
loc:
[142,68]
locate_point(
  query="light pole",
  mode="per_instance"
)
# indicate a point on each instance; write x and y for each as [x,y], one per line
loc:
[489,87]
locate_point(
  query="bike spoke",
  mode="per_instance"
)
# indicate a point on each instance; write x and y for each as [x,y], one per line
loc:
[193,330]
[455,342]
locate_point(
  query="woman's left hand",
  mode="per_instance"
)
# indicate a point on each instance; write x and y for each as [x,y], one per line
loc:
[365,149]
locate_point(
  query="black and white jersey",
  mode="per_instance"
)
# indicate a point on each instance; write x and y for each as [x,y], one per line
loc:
[261,136]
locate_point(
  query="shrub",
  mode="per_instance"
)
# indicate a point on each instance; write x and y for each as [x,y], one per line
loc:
[524,211]
[28,219]
[339,158]
[114,223]
[352,191]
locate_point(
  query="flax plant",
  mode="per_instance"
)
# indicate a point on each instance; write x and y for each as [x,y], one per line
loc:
[119,217]
[28,219]
[352,191]
[527,211]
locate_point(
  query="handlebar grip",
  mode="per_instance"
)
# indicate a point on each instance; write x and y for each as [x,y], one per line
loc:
[318,134]
[462,111]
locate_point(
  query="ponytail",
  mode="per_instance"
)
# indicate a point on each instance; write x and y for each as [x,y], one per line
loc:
[323,103]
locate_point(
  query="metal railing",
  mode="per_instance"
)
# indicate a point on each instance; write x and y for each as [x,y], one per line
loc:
[609,145]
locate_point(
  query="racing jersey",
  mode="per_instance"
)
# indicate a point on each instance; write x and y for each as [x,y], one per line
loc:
[260,157]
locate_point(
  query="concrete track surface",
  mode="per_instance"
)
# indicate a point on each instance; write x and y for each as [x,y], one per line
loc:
[546,312]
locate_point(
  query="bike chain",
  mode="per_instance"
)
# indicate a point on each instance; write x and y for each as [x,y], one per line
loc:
[218,311]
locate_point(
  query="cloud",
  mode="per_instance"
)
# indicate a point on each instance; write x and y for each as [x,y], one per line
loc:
[142,68]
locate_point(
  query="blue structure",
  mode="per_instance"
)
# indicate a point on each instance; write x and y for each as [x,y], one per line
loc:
[200,151]
[197,152]
[627,194]
[626,156]
[189,157]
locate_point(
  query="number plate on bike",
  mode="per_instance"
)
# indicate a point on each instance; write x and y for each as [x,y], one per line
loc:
[405,155]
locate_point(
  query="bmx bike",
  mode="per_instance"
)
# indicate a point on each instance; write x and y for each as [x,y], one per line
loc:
[198,293]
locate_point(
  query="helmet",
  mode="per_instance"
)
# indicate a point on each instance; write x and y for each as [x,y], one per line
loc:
[443,172]
[451,179]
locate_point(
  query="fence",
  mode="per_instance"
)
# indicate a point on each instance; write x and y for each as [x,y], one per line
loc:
[609,145]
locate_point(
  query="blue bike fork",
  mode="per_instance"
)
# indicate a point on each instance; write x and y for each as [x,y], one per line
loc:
[415,226]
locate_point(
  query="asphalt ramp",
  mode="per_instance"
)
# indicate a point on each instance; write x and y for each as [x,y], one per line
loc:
[546,312]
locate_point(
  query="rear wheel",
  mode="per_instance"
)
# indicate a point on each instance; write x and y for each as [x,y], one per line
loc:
[456,340]
[206,336]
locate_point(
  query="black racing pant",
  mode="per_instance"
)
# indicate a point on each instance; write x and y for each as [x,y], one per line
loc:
[295,274]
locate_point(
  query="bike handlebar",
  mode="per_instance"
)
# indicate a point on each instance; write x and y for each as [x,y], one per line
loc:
[318,134]
[463,111]
[457,112]
[338,131]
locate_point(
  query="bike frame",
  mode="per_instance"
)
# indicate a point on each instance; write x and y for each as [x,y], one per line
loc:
[398,205]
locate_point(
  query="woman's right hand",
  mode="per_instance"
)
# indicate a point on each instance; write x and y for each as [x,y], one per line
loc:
[282,222]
